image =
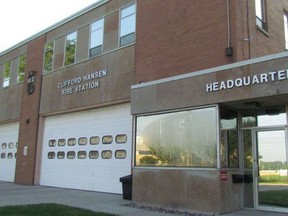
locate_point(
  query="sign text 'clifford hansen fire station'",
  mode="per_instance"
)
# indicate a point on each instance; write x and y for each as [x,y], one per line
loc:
[79,84]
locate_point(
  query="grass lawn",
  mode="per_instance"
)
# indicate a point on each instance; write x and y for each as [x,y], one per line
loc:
[273,179]
[47,210]
[276,197]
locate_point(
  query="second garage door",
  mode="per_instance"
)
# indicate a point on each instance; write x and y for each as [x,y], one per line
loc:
[8,150]
[87,150]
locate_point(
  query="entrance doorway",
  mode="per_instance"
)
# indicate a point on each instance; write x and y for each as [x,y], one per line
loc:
[270,169]
[265,154]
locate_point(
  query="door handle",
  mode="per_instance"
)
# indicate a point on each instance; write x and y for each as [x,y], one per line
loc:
[256,170]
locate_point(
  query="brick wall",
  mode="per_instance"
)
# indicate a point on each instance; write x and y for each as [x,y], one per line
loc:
[29,115]
[179,36]
[273,41]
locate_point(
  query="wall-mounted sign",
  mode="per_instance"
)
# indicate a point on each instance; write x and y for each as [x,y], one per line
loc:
[80,84]
[273,76]
[223,175]
[25,150]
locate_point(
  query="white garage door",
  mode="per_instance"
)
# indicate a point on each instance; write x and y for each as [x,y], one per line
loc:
[9,142]
[88,150]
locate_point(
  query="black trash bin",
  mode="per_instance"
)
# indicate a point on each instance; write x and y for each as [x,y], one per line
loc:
[127,186]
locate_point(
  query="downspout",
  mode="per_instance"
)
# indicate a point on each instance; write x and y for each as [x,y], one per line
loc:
[248,30]
[229,49]
[228,24]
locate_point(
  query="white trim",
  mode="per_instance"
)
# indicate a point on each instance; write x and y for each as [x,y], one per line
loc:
[212,70]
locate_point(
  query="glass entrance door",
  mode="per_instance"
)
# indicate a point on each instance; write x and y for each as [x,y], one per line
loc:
[270,169]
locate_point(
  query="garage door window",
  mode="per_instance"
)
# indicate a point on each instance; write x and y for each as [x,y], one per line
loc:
[71,141]
[71,154]
[10,155]
[61,142]
[106,154]
[107,139]
[95,140]
[4,145]
[52,143]
[11,145]
[82,155]
[3,155]
[51,155]
[121,138]
[120,154]
[61,155]
[82,141]
[93,154]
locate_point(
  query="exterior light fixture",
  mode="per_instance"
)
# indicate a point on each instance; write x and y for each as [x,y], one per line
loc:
[31,82]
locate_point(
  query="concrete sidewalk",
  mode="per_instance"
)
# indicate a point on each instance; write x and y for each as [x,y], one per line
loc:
[12,194]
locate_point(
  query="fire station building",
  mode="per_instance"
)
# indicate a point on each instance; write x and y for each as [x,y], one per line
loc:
[190,97]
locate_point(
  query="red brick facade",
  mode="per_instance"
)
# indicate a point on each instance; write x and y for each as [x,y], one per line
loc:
[29,115]
[185,36]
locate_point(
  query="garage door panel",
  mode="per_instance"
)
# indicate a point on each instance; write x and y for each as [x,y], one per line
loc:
[8,150]
[110,129]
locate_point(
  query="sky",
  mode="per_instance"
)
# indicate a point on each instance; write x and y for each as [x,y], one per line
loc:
[20,19]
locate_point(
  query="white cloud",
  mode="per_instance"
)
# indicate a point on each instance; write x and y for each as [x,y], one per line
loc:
[20,19]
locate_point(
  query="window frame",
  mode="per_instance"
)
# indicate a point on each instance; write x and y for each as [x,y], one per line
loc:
[6,79]
[261,15]
[46,51]
[99,30]
[216,165]
[285,21]
[21,70]
[74,39]
[229,138]
[121,26]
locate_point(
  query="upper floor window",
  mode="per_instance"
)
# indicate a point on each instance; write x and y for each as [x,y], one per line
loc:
[286,30]
[7,73]
[128,25]
[70,48]
[96,40]
[48,56]
[260,6]
[21,68]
